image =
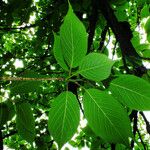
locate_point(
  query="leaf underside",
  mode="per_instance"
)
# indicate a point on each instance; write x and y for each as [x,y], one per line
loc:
[131,91]
[73,39]
[64,117]
[58,52]
[106,117]
[95,67]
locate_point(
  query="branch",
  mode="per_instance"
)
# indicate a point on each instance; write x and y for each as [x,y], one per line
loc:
[146,121]
[26,57]
[29,79]
[134,128]
[125,64]
[141,139]
[103,36]
[17,28]
[140,70]
[114,49]
[73,87]
[145,58]
[92,23]
[121,30]
[5,28]
[133,113]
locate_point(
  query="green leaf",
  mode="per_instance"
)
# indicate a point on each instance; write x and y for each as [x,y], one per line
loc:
[143,50]
[6,112]
[117,2]
[64,117]
[148,37]
[140,3]
[73,38]
[25,121]
[147,26]
[58,52]
[120,147]
[131,91]
[121,15]
[146,53]
[142,47]
[21,87]
[106,116]
[95,67]
[136,39]
[145,11]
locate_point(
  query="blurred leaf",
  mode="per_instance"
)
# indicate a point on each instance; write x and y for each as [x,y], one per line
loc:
[147,26]
[117,2]
[121,15]
[6,112]
[21,87]
[120,147]
[88,131]
[25,121]
[140,3]
[145,11]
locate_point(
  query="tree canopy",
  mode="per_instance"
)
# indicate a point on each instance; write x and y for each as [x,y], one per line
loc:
[74,72]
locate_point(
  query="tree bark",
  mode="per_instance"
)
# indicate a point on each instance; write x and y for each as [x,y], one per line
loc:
[121,30]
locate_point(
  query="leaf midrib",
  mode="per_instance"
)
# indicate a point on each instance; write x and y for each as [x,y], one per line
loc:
[64,116]
[105,116]
[95,67]
[72,49]
[123,87]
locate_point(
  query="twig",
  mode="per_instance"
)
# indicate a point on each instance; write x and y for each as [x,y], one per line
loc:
[125,64]
[108,37]
[114,49]
[145,58]
[18,28]
[92,23]
[29,79]
[141,139]
[103,36]
[146,121]
[73,86]
[134,128]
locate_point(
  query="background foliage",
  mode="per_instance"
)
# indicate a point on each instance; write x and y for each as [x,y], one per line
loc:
[64,50]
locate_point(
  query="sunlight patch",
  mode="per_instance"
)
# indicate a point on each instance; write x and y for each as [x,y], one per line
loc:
[18,63]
